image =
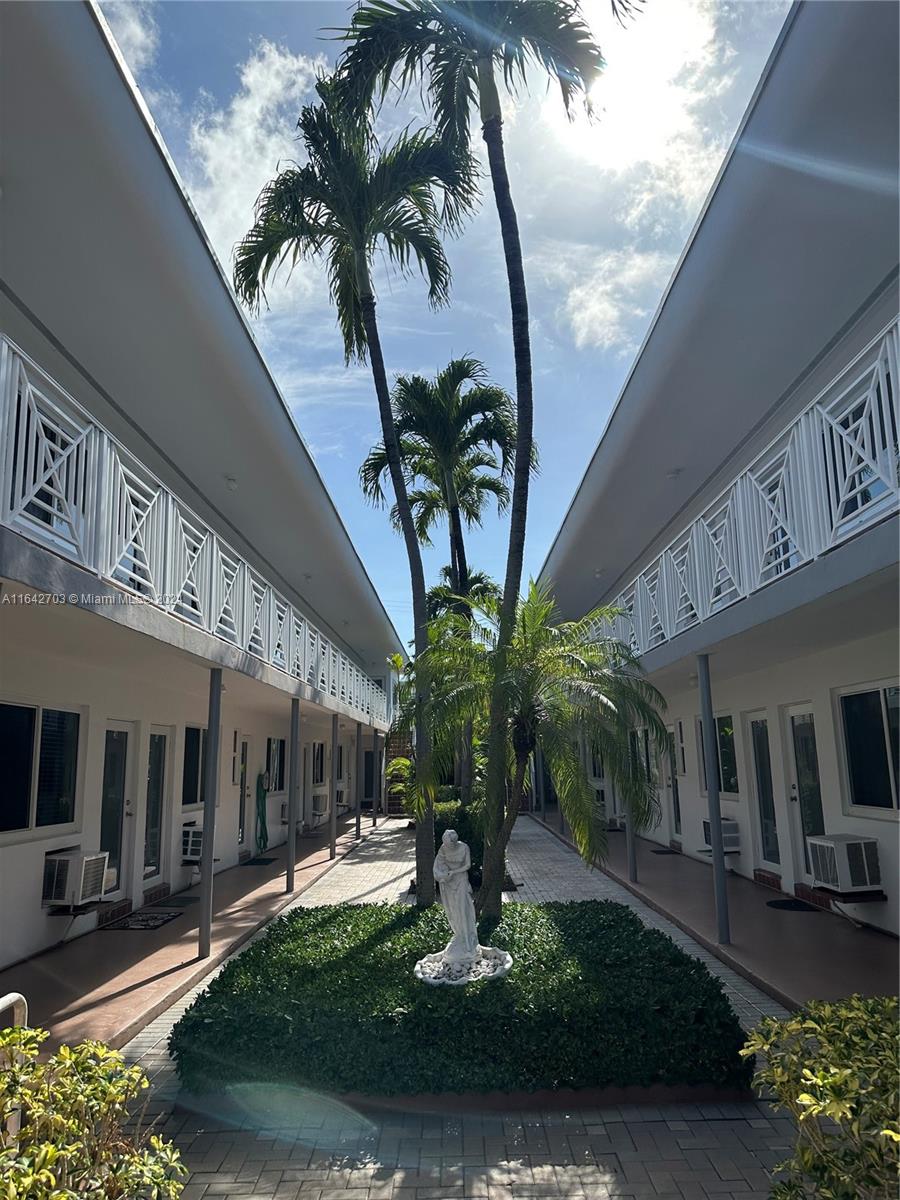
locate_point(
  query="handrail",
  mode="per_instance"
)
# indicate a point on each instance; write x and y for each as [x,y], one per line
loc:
[67,483]
[17,1002]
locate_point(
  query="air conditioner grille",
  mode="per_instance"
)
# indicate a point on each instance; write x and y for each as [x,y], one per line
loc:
[873,868]
[824,861]
[92,876]
[56,874]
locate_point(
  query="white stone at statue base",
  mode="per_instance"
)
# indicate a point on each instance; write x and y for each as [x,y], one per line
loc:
[490,963]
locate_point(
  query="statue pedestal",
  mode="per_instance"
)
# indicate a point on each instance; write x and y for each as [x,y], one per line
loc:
[438,970]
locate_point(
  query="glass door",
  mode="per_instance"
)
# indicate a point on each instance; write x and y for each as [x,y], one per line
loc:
[156,801]
[806,788]
[765,795]
[671,779]
[243,791]
[115,807]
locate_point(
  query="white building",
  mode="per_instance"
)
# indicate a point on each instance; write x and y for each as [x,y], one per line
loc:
[160,520]
[742,501]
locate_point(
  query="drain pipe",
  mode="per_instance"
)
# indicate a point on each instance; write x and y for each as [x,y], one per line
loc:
[711,761]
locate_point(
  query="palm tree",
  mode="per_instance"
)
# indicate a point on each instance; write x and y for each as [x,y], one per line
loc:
[351,198]
[456,447]
[444,598]
[460,48]
[558,682]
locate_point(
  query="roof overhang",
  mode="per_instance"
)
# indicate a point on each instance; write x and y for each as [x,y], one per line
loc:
[102,249]
[799,231]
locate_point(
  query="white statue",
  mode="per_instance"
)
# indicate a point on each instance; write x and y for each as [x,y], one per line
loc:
[451,871]
[462,960]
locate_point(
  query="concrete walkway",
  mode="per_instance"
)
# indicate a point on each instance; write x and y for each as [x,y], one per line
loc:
[305,1147]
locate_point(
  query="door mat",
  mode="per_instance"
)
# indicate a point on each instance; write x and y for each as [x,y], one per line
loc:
[175,902]
[663,850]
[258,862]
[792,905]
[145,918]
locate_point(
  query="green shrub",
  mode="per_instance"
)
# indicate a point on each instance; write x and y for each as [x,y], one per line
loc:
[834,1067]
[327,1000]
[72,1142]
[467,823]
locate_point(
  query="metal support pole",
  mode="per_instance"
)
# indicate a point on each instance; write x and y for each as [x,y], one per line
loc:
[711,761]
[376,778]
[293,794]
[360,778]
[211,764]
[332,815]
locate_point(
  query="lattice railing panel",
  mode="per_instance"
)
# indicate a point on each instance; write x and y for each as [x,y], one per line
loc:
[830,474]
[67,484]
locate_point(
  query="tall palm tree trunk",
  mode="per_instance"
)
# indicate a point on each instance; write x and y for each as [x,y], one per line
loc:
[492,131]
[464,771]
[425,822]
[489,902]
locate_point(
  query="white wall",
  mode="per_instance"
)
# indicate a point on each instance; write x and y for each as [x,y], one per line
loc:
[156,692]
[813,681]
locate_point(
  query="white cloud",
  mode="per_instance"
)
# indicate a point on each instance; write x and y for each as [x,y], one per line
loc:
[134,27]
[236,148]
[615,197]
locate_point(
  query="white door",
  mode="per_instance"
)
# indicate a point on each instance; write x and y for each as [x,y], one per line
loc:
[805,792]
[117,806]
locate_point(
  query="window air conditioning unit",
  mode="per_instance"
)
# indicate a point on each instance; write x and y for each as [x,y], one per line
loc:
[843,862]
[191,843]
[320,804]
[284,812]
[72,878]
[731,835]
[615,821]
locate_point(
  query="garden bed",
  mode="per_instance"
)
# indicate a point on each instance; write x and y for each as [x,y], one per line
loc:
[327,1000]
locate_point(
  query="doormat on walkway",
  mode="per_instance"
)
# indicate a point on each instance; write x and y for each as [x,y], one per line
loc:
[258,862]
[663,850]
[176,902]
[792,905]
[145,918]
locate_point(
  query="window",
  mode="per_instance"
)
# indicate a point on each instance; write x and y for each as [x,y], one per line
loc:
[681,765]
[235,776]
[318,764]
[725,755]
[340,761]
[871,722]
[597,771]
[193,774]
[275,755]
[46,796]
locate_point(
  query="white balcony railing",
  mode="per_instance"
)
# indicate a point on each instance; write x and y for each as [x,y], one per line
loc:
[832,473]
[69,485]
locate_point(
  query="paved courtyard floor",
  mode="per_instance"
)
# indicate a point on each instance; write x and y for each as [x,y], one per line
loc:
[306,1147]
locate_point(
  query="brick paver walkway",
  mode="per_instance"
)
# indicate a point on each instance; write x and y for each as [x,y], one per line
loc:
[304,1147]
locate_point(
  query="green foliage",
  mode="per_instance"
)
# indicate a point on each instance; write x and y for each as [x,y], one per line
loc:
[400,778]
[328,1000]
[73,1139]
[467,821]
[834,1067]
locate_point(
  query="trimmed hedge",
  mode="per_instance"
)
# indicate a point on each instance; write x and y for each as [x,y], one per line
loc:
[327,1000]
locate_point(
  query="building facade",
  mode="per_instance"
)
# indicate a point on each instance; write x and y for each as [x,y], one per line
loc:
[163,528]
[742,502]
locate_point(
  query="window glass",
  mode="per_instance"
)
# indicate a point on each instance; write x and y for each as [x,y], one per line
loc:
[759,734]
[867,749]
[728,779]
[318,763]
[892,705]
[57,768]
[275,759]
[682,765]
[190,775]
[17,751]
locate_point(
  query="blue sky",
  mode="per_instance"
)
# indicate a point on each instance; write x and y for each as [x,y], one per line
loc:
[604,209]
